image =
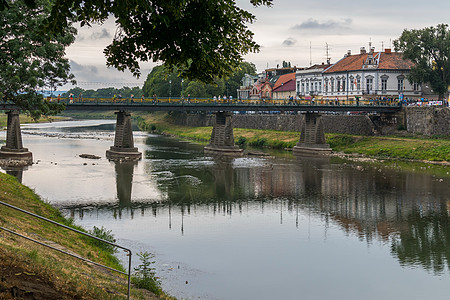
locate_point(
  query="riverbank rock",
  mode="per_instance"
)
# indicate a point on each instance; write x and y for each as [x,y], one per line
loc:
[89,156]
[13,163]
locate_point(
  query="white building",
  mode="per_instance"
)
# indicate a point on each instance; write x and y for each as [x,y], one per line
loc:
[368,76]
[309,81]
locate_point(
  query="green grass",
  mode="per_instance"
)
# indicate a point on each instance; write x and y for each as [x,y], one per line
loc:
[392,147]
[26,119]
[66,273]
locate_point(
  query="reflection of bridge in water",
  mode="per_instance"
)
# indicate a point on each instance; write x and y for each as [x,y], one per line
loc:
[312,139]
[361,203]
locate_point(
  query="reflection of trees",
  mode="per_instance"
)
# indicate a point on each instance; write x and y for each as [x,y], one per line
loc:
[425,241]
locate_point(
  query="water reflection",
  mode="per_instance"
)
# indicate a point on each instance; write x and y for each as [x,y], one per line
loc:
[124,181]
[407,210]
[15,171]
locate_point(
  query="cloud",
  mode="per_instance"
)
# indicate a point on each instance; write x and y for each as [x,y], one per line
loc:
[312,24]
[103,34]
[78,68]
[93,36]
[289,42]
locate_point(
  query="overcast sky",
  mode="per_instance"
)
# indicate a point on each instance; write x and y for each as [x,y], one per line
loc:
[291,30]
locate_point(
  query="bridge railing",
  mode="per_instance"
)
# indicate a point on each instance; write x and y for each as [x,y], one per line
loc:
[212,101]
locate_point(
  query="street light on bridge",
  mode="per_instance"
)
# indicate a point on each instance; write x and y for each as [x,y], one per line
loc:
[170,89]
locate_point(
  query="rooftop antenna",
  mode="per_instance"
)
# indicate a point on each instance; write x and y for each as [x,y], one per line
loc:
[327,48]
[382,46]
[310,60]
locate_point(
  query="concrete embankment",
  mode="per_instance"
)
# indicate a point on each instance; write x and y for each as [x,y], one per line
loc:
[427,121]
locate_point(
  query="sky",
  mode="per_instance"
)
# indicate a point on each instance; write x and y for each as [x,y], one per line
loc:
[291,30]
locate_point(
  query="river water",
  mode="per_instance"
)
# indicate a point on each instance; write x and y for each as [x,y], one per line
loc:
[270,227]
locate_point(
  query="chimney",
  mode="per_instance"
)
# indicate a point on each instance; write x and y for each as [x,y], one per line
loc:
[372,50]
[349,52]
[362,50]
[387,50]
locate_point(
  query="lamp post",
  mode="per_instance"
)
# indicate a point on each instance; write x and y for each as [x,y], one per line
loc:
[170,89]
[182,94]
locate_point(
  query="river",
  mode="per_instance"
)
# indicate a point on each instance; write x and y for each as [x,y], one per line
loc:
[269,227]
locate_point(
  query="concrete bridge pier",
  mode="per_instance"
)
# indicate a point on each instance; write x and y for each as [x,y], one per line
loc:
[123,140]
[312,138]
[222,137]
[14,149]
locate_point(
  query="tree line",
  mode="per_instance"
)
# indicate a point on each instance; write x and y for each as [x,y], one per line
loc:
[109,92]
[165,83]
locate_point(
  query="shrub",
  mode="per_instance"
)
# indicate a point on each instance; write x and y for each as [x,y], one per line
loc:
[106,235]
[145,275]
[241,141]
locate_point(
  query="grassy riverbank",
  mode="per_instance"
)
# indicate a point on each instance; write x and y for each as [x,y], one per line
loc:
[30,270]
[411,147]
[26,119]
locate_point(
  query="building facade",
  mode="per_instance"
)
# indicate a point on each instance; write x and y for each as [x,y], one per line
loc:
[309,81]
[369,75]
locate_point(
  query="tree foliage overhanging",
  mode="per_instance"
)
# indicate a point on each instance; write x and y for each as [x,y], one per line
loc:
[429,50]
[200,39]
[30,61]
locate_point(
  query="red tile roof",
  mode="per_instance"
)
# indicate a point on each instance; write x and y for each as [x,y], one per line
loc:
[387,61]
[288,86]
[284,79]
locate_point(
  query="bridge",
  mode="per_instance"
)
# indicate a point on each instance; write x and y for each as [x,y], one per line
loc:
[312,138]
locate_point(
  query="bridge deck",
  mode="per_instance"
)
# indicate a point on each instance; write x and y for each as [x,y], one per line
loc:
[210,106]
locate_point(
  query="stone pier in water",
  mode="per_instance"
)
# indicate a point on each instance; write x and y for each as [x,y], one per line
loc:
[123,140]
[222,137]
[312,137]
[14,149]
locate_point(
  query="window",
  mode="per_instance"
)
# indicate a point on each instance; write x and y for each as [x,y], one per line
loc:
[338,86]
[415,86]
[303,88]
[307,87]
[369,84]
[332,85]
[400,84]
[320,86]
[343,85]
[312,87]
[326,86]
[358,84]
[384,84]
[315,87]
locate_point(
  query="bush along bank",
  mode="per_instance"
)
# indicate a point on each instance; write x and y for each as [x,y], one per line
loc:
[408,148]
[32,271]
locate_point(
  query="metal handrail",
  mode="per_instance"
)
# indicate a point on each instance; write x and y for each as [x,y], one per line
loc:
[65,252]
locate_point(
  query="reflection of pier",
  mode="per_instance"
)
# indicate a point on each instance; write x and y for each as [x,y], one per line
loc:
[15,171]
[124,181]
[369,202]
